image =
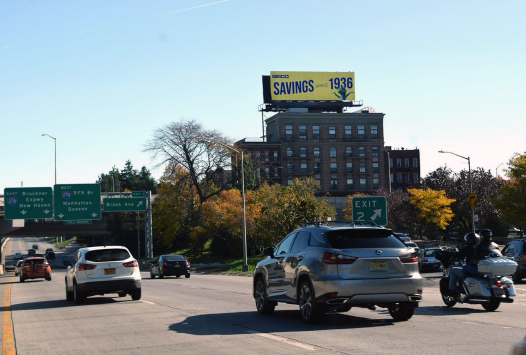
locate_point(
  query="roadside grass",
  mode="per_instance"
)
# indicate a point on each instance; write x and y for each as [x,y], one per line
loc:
[65,243]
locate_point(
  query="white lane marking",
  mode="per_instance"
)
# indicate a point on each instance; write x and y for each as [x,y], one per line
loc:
[144,301]
[283,340]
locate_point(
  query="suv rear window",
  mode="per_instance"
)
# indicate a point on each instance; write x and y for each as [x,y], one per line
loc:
[173,257]
[107,255]
[363,238]
[34,261]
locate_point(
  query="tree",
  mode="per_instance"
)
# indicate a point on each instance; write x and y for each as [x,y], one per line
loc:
[128,179]
[432,205]
[512,197]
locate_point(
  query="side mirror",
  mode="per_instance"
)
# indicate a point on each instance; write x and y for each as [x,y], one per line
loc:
[269,251]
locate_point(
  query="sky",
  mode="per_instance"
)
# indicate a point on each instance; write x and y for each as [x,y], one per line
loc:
[101,76]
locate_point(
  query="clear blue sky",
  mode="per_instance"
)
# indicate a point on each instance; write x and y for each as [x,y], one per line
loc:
[101,76]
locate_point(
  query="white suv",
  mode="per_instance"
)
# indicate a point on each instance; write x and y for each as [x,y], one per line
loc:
[101,270]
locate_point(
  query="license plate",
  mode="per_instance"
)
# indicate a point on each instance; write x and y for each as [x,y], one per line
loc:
[500,292]
[177,265]
[109,271]
[378,266]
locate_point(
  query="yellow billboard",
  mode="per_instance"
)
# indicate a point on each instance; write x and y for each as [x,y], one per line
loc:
[311,86]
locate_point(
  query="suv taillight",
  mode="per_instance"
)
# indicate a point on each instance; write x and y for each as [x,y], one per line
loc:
[522,257]
[187,263]
[410,258]
[332,258]
[165,264]
[132,263]
[84,267]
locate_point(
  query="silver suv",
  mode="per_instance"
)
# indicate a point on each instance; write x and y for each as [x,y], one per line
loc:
[516,250]
[330,268]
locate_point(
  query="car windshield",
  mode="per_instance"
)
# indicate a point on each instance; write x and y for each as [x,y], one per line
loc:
[107,255]
[34,261]
[173,257]
[364,238]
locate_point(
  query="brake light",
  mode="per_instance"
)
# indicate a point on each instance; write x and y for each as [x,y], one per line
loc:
[410,258]
[498,284]
[522,257]
[84,267]
[132,263]
[165,264]
[332,258]
[425,260]
[187,263]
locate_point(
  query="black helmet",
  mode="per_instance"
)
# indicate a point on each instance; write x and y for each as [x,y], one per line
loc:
[485,235]
[471,238]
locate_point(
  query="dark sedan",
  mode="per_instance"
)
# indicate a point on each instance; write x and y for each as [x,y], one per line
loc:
[170,265]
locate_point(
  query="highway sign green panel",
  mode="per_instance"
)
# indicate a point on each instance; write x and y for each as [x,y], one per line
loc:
[124,204]
[138,193]
[28,202]
[370,209]
[77,201]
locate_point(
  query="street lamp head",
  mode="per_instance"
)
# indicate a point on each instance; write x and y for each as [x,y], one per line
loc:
[441,151]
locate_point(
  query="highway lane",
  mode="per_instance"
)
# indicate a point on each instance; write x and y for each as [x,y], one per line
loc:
[215,314]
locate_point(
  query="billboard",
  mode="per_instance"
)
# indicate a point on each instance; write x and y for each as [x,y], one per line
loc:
[312,86]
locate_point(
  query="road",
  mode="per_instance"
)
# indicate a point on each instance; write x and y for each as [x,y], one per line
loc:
[215,314]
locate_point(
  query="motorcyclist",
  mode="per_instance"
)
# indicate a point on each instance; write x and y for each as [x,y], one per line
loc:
[485,248]
[464,254]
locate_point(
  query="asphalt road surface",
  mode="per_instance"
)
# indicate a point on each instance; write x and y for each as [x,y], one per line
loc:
[215,314]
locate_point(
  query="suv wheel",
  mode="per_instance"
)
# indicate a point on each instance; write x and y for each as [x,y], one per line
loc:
[309,309]
[78,296]
[401,311]
[263,305]
[136,294]
[187,276]
[152,276]
[69,294]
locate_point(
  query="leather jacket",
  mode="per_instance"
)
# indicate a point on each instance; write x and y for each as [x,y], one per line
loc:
[482,250]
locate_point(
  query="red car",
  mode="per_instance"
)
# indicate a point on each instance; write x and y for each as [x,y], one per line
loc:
[35,267]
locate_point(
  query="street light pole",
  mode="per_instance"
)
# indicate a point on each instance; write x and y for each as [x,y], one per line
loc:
[44,134]
[497,169]
[470,186]
[245,265]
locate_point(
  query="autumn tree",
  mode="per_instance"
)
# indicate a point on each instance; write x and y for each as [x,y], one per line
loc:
[186,144]
[128,179]
[512,197]
[433,207]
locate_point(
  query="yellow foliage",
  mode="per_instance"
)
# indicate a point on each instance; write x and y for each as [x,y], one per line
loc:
[433,206]
[347,206]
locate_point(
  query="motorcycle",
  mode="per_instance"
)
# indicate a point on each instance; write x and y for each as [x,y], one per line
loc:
[489,288]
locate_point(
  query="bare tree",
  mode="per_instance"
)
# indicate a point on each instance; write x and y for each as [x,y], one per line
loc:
[186,144]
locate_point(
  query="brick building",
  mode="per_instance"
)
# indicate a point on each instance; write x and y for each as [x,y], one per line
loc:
[344,152]
[404,167]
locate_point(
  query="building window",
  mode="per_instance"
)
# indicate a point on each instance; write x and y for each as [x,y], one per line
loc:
[407,177]
[332,152]
[362,167]
[289,182]
[303,168]
[363,184]
[334,184]
[361,131]
[348,151]
[375,151]
[258,155]
[348,168]
[415,162]
[374,131]
[334,167]
[289,152]
[276,172]
[276,156]
[406,161]
[315,132]
[317,167]
[316,152]
[415,177]
[391,178]
[267,156]
[348,132]
[303,132]
[390,162]
[399,177]
[349,184]
[288,132]
[376,183]
[332,132]
[398,162]
[303,152]
[290,168]
[267,172]
[376,169]
[361,151]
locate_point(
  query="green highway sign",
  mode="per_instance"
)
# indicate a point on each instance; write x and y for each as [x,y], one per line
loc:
[77,201]
[28,202]
[124,204]
[370,209]
[138,193]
